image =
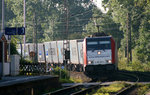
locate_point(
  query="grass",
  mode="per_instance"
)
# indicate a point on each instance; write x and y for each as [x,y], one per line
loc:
[65,78]
[135,65]
[70,80]
[143,89]
[76,80]
[105,90]
[66,81]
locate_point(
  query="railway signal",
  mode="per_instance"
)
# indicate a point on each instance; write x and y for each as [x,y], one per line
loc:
[67,54]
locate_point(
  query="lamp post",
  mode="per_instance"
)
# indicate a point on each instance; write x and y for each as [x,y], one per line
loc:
[24,42]
[2,33]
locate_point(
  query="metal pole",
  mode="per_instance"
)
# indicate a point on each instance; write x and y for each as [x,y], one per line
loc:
[9,51]
[127,38]
[24,25]
[36,39]
[3,56]
[2,17]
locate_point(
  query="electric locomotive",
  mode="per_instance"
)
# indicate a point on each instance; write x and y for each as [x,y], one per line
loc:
[94,54]
[100,54]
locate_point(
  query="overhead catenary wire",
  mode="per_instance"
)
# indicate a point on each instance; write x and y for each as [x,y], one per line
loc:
[48,23]
[60,18]
[72,31]
[81,13]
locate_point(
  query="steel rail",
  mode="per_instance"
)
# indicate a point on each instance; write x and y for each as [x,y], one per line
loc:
[60,91]
[129,88]
[87,90]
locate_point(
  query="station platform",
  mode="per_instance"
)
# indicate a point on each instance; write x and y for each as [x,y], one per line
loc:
[28,85]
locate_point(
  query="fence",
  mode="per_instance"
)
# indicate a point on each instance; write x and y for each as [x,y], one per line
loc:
[33,68]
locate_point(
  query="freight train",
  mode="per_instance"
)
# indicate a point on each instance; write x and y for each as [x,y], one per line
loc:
[91,54]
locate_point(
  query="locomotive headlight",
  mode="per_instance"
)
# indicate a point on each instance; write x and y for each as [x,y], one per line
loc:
[109,61]
[99,53]
[89,62]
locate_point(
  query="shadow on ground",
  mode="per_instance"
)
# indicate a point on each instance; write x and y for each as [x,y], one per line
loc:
[121,75]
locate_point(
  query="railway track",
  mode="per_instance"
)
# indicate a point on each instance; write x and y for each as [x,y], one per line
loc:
[75,90]
[143,76]
[133,76]
[81,89]
[87,90]
[127,90]
[66,90]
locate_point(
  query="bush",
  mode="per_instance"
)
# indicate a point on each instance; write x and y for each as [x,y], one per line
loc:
[135,65]
[122,65]
[64,73]
[143,89]
[75,80]
[23,61]
[66,81]
[111,88]
[13,49]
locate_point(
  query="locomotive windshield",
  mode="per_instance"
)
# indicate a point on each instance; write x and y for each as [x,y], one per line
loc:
[98,44]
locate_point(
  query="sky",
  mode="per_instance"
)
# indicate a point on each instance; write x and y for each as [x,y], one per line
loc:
[98,3]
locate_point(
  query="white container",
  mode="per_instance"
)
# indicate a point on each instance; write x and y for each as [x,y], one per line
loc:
[14,68]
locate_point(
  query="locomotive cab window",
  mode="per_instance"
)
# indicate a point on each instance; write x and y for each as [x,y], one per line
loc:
[98,45]
[92,43]
[105,44]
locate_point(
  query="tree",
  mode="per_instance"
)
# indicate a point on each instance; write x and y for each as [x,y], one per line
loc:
[132,15]
[122,12]
[71,18]
[101,22]
[143,46]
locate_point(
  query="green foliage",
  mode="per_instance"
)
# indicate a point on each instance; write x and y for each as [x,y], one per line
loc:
[122,61]
[48,19]
[143,44]
[13,46]
[64,73]
[103,23]
[76,80]
[13,49]
[111,88]
[66,81]
[135,65]
[64,76]
[138,19]
[75,36]
[24,61]
[142,90]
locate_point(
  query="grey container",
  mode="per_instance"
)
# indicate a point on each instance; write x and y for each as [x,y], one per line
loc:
[74,56]
[53,52]
[29,47]
[80,51]
[47,52]
[60,51]
[41,58]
